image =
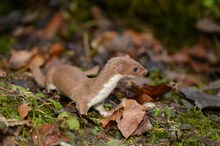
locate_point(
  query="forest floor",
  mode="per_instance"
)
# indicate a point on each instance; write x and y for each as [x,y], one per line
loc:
[176,104]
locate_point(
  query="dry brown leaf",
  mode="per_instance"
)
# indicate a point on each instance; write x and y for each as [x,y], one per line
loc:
[55,49]
[155,92]
[116,112]
[133,114]
[2,74]
[131,118]
[23,110]
[21,58]
[52,26]
[141,99]
[49,135]
[143,126]
[113,117]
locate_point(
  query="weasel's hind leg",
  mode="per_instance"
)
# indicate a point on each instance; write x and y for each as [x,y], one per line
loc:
[51,87]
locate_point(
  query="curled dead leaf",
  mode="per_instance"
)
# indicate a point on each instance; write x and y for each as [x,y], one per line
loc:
[129,115]
[23,110]
[133,114]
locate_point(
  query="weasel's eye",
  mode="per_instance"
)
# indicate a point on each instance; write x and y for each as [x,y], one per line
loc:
[135,69]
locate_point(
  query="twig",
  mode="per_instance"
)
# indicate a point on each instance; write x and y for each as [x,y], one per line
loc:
[160,129]
[86,44]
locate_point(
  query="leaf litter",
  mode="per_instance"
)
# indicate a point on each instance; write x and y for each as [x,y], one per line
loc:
[131,117]
[202,100]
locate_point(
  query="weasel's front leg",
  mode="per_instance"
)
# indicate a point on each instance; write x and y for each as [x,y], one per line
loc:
[102,111]
[82,107]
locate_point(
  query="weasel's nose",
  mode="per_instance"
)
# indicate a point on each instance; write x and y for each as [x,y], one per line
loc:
[145,73]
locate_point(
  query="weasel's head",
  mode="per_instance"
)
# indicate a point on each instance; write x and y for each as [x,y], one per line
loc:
[128,67]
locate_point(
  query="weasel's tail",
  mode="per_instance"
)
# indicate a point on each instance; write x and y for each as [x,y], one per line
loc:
[39,77]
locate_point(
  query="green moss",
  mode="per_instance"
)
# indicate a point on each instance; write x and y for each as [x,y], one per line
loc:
[156,134]
[12,96]
[8,104]
[6,43]
[9,109]
[200,129]
[203,127]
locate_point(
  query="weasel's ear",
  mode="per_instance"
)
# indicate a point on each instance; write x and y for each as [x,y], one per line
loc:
[126,55]
[120,66]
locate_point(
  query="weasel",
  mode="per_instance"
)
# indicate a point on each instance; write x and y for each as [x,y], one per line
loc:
[88,92]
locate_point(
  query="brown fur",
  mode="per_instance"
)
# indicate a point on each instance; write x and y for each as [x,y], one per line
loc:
[71,81]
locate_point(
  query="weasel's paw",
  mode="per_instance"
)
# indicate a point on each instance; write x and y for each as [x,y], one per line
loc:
[51,87]
[105,113]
